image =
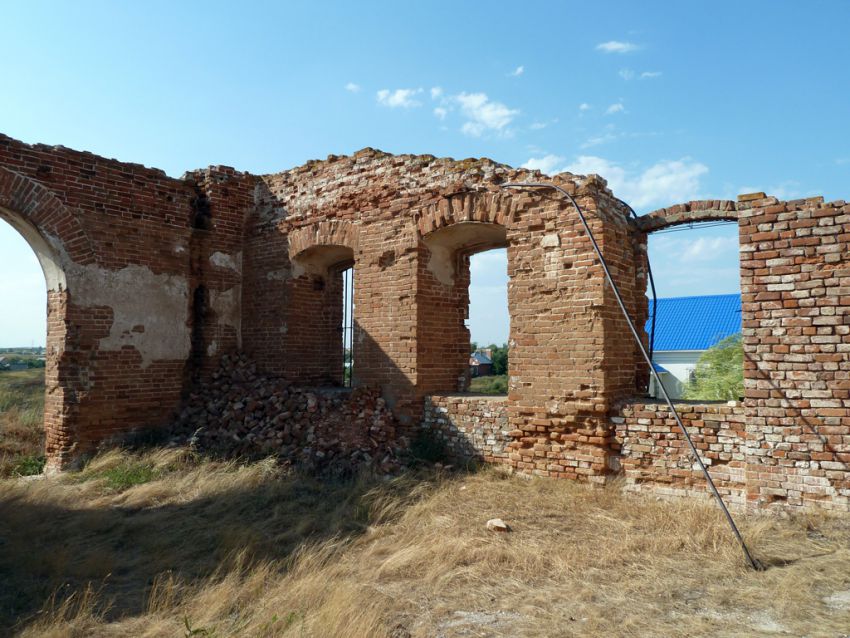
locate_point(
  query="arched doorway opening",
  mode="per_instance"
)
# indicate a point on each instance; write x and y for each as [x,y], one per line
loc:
[30,288]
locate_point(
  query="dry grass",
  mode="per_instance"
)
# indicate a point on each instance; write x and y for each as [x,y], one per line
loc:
[215,549]
[21,422]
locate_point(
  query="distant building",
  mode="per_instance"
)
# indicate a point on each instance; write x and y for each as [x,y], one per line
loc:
[685,327]
[480,363]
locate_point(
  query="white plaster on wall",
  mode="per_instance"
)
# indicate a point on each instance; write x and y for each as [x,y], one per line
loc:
[227,306]
[279,275]
[138,298]
[223,260]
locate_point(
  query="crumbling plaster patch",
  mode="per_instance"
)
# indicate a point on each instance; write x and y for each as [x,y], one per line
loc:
[223,260]
[137,297]
[227,306]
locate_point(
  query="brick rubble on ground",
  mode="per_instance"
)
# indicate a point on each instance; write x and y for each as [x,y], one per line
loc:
[242,413]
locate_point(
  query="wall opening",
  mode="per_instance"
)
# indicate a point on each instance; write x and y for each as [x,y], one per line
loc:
[488,322]
[322,300]
[697,349]
[347,326]
[27,264]
[446,316]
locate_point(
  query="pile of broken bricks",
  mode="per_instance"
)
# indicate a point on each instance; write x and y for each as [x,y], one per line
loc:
[243,414]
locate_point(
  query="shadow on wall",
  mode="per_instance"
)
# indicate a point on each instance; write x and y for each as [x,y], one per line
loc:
[830,458]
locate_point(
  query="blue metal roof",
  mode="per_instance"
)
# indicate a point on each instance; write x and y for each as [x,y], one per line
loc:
[695,323]
[481,358]
[659,368]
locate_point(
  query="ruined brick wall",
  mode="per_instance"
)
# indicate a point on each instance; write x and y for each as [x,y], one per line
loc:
[795,281]
[152,279]
[115,240]
[653,454]
[417,219]
[473,428]
[796,312]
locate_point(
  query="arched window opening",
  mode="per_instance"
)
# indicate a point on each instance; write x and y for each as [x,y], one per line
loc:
[323,302]
[463,310]
[23,334]
[697,350]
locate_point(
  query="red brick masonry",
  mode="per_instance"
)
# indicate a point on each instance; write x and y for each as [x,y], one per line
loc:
[151,279]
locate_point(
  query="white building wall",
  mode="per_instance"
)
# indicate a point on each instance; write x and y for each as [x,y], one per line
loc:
[680,364]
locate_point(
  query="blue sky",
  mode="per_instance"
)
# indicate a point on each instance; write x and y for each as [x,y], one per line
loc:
[668,101]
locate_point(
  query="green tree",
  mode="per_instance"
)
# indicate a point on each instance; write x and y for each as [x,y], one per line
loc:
[499,357]
[719,374]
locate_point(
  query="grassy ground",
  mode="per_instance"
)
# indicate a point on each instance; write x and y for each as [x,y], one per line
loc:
[21,427]
[163,544]
[496,384]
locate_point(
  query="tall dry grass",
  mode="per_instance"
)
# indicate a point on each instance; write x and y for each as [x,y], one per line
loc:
[218,549]
[21,422]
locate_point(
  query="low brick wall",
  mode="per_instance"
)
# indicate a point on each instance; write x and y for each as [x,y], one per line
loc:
[473,426]
[654,456]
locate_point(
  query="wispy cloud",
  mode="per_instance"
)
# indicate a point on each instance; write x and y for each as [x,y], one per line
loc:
[628,74]
[841,161]
[665,182]
[436,92]
[351,86]
[517,72]
[403,98]
[440,112]
[584,106]
[616,46]
[600,139]
[617,107]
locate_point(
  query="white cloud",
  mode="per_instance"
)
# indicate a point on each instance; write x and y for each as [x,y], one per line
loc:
[351,86]
[584,106]
[648,75]
[517,72]
[615,108]
[706,248]
[436,91]
[440,112]
[841,161]
[536,126]
[664,183]
[626,74]
[600,139]
[549,164]
[404,98]
[615,46]
[483,114]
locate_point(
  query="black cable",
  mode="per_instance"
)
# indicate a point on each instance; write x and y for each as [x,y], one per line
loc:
[752,562]
[651,286]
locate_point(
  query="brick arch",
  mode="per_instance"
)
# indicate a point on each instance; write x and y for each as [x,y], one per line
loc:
[325,233]
[56,236]
[40,208]
[494,207]
[687,213]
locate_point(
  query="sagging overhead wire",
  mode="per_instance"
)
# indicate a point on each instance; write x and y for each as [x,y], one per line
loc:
[750,560]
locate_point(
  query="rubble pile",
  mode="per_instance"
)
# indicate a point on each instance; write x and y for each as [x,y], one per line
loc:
[241,413]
